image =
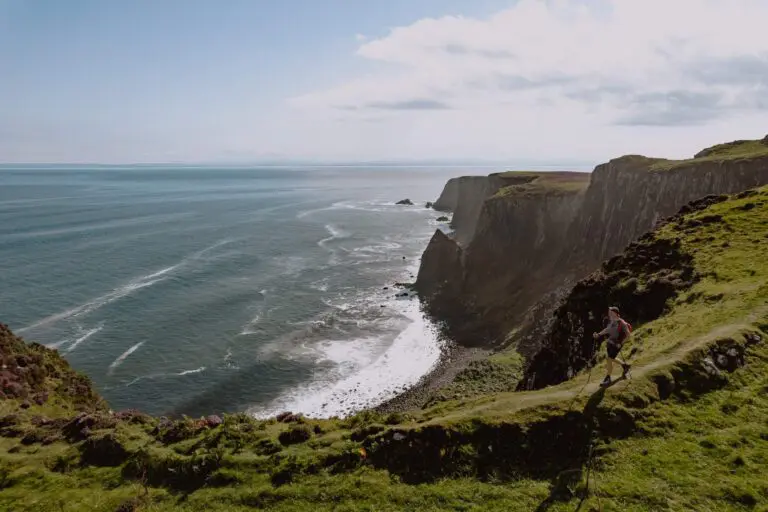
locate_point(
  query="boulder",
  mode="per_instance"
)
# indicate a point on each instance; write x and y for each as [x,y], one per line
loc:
[406,201]
[213,421]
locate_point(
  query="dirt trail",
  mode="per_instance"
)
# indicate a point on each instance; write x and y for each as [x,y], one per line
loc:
[588,384]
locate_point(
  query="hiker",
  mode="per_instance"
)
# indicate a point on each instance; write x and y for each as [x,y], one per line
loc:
[618,331]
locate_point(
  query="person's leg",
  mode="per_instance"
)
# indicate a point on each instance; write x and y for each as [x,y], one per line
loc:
[609,366]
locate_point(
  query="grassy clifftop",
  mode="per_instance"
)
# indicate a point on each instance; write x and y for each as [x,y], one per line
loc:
[736,150]
[531,183]
[687,432]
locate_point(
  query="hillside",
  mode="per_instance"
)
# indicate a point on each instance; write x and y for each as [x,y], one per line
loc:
[686,432]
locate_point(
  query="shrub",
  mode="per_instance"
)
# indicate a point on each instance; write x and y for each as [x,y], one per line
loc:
[294,435]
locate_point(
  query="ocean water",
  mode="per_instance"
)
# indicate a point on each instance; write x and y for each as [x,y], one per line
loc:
[205,290]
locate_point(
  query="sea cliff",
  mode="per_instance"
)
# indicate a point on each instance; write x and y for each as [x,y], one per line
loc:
[525,238]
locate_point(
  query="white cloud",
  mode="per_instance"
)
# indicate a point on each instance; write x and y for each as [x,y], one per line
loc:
[564,76]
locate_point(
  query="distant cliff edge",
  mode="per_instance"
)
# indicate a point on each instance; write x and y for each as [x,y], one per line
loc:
[522,239]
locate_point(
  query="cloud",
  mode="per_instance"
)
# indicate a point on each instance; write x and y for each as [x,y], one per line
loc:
[672,108]
[415,104]
[602,64]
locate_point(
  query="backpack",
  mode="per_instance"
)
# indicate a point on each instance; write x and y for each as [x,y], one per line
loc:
[625,331]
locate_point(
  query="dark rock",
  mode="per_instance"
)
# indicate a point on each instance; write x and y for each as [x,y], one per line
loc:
[41,398]
[443,218]
[25,404]
[284,417]
[9,420]
[407,202]
[429,204]
[80,427]
[213,421]
[133,416]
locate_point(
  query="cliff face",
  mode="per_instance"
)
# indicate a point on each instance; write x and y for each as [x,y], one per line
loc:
[470,282]
[464,197]
[539,232]
[628,195]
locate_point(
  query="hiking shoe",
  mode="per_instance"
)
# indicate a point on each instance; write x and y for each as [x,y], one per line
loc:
[606,381]
[626,368]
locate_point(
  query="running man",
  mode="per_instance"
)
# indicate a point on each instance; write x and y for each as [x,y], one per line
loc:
[618,331]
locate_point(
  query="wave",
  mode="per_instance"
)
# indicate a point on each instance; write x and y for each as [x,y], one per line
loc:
[163,375]
[377,206]
[365,375]
[112,224]
[84,337]
[117,362]
[120,292]
[93,304]
[334,232]
[190,372]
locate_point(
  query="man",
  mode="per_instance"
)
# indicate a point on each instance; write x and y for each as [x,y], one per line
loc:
[618,331]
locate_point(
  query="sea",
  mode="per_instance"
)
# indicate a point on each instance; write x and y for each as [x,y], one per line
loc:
[199,290]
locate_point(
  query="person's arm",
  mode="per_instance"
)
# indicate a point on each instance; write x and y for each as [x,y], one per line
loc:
[601,333]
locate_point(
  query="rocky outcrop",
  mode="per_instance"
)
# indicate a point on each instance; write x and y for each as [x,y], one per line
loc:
[518,231]
[501,275]
[465,197]
[629,195]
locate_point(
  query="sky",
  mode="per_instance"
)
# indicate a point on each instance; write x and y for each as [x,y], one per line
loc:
[111,81]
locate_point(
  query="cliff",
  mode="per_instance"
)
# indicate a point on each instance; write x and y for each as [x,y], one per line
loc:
[527,246]
[469,281]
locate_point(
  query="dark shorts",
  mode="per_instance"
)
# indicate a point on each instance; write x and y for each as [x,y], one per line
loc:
[612,349]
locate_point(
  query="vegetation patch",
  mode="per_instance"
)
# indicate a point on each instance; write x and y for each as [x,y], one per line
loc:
[529,183]
[739,149]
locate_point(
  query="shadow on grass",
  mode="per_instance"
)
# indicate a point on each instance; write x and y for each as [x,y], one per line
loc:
[562,486]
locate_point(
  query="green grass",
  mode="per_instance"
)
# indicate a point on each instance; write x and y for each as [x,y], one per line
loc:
[704,447]
[531,183]
[743,149]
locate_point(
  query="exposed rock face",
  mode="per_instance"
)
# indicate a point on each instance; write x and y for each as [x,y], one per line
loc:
[626,197]
[470,281]
[508,264]
[406,202]
[465,197]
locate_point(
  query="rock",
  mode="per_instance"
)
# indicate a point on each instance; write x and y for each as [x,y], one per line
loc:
[429,204]
[442,218]
[41,421]
[80,427]
[41,398]
[406,202]
[284,417]
[133,416]
[9,420]
[25,404]
[213,421]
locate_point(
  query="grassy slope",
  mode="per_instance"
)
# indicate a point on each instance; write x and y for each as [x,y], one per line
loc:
[673,438]
[741,149]
[532,183]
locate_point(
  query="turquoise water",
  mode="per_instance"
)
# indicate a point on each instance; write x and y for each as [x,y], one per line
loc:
[202,290]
